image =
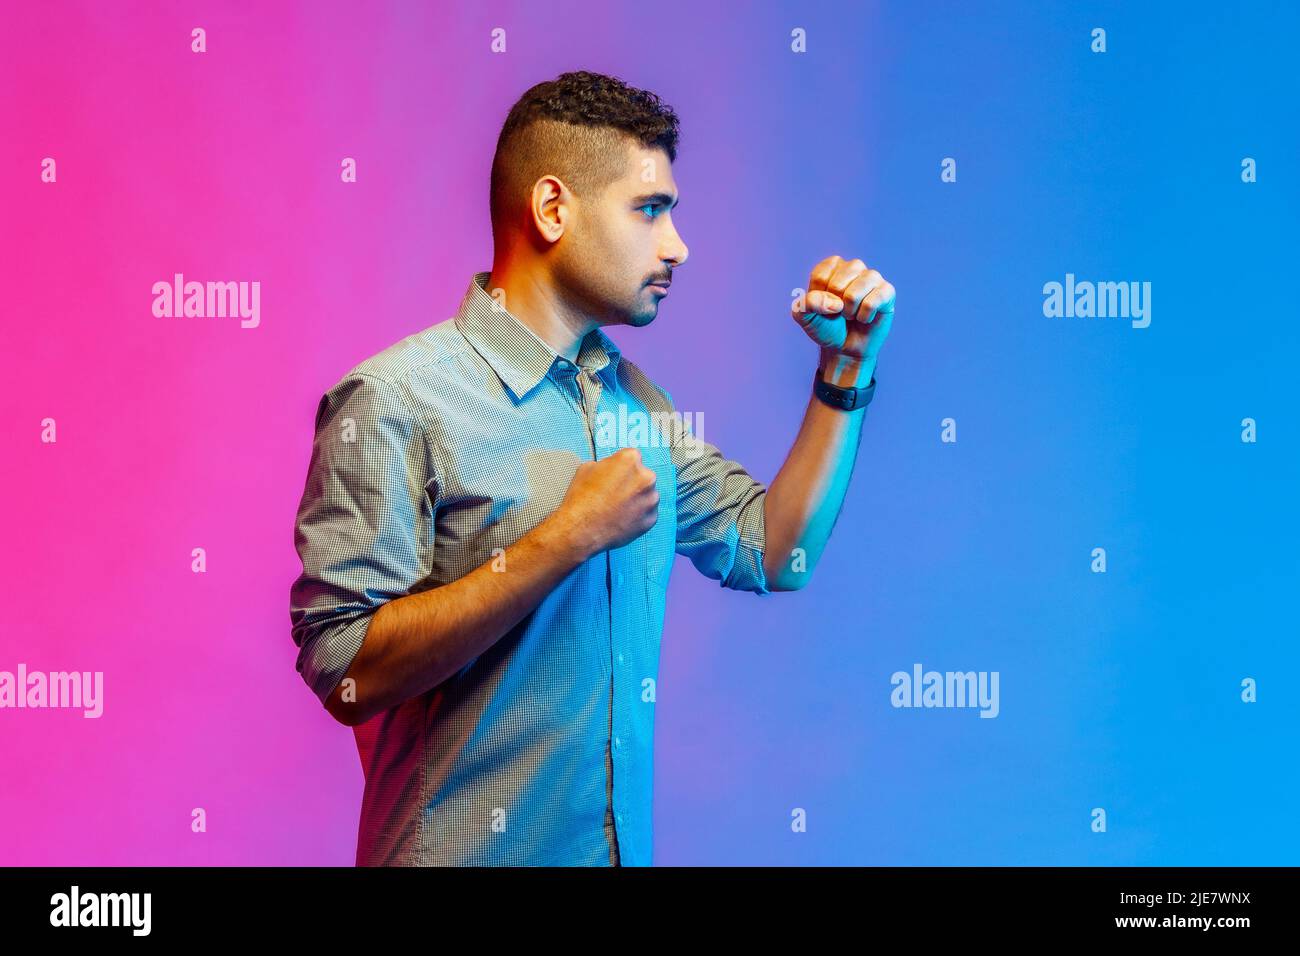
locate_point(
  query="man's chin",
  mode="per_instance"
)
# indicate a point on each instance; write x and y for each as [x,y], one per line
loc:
[641,319]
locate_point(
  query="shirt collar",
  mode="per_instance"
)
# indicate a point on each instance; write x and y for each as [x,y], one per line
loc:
[514,351]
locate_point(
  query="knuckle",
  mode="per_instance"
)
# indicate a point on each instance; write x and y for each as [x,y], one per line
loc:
[822,271]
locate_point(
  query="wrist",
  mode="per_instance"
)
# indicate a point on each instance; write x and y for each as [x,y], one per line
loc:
[845,371]
[560,534]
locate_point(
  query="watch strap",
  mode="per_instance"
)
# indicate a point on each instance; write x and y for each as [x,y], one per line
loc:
[846,398]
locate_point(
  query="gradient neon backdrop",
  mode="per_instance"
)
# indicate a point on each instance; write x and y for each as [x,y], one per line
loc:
[1118,690]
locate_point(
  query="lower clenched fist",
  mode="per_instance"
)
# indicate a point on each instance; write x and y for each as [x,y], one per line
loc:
[612,501]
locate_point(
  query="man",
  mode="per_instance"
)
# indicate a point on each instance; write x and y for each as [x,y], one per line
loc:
[485,561]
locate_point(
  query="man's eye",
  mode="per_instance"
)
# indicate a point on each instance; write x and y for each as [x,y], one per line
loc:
[649,205]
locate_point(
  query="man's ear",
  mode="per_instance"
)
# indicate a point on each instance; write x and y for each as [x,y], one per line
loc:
[551,207]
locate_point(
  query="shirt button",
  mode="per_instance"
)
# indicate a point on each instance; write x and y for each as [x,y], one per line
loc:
[618,817]
[619,578]
[618,741]
[620,658]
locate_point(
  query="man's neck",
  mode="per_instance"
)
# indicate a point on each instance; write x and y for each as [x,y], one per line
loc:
[533,300]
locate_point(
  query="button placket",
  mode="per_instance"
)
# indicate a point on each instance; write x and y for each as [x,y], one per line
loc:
[591,403]
[567,378]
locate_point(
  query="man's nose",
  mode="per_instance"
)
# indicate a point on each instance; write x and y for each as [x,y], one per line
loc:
[675,250]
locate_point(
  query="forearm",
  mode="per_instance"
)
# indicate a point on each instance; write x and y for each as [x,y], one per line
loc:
[416,642]
[804,499]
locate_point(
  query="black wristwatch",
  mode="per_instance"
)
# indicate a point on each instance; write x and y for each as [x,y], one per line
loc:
[845,399]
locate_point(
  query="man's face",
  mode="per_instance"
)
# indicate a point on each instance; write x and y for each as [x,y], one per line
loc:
[622,242]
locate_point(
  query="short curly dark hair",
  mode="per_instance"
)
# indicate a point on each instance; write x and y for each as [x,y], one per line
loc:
[577,127]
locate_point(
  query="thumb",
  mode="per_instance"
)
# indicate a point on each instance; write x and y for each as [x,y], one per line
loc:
[823,302]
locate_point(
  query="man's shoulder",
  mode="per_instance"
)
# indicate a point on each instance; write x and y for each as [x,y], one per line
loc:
[395,364]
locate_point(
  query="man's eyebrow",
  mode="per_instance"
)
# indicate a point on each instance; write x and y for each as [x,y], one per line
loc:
[657,198]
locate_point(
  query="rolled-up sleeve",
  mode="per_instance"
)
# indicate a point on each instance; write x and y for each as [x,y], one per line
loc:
[720,522]
[364,527]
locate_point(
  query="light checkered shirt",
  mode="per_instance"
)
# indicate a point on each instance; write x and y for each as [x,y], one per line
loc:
[427,457]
